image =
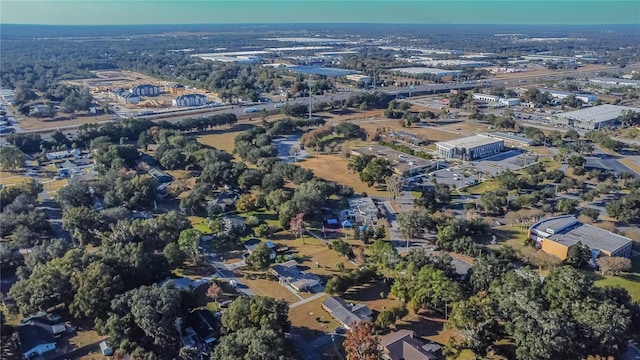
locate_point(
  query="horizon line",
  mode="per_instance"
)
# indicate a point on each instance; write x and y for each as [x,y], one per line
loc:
[324,23]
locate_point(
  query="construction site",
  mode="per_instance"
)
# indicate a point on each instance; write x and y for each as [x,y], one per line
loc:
[119,89]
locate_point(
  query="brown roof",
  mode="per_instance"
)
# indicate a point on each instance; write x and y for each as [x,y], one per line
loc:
[402,345]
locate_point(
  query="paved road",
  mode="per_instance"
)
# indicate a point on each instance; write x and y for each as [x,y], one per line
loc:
[223,271]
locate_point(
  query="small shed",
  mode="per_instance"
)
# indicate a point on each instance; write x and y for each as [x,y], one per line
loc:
[347,224]
[106,349]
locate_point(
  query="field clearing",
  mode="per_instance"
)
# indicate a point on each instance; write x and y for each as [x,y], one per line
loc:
[431,133]
[483,187]
[310,319]
[200,224]
[54,185]
[334,168]
[31,123]
[270,288]
[221,139]
[8,179]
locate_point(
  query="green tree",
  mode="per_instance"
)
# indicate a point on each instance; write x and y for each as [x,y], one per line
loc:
[579,255]
[83,223]
[376,171]
[475,321]
[11,158]
[174,255]
[94,287]
[260,257]
[257,312]
[188,243]
[250,344]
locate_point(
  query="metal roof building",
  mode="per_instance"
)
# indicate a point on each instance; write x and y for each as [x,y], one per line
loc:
[592,118]
[558,234]
[470,148]
[427,70]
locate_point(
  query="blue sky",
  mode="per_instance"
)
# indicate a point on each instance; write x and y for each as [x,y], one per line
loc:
[130,12]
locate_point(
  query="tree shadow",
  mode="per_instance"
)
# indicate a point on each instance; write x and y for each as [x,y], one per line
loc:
[423,325]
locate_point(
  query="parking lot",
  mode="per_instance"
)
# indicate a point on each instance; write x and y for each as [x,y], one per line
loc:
[286,144]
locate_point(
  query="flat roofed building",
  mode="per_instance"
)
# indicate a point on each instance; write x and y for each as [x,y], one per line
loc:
[359,78]
[403,164]
[486,97]
[615,81]
[427,70]
[514,139]
[592,118]
[558,234]
[470,148]
[361,211]
[585,98]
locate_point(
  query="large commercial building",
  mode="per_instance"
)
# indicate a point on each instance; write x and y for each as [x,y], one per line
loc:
[470,148]
[190,100]
[592,118]
[427,70]
[558,234]
[496,100]
[615,81]
[557,94]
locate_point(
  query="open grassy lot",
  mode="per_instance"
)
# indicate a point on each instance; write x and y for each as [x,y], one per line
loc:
[8,178]
[310,320]
[481,188]
[268,287]
[629,281]
[31,123]
[200,224]
[334,168]
[220,139]
[370,294]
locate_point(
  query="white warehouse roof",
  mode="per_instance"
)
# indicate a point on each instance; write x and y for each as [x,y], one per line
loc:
[469,142]
[598,113]
[426,70]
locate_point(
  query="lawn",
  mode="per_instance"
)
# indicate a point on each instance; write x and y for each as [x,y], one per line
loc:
[628,281]
[9,178]
[369,295]
[270,288]
[483,187]
[200,224]
[311,321]
[223,139]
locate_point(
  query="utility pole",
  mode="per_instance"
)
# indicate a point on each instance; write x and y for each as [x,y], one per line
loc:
[310,99]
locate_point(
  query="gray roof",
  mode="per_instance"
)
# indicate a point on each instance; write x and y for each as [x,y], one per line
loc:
[346,313]
[34,333]
[469,142]
[403,345]
[596,114]
[510,137]
[568,231]
[289,271]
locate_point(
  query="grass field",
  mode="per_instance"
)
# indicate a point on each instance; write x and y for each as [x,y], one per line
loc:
[334,168]
[222,139]
[200,224]
[310,320]
[31,123]
[628,281]
[481,188]
[8,178]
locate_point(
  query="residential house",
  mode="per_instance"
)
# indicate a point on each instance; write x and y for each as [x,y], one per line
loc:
[159,175]
[289,274]
[233,222]
[63,154]
[123,96]
[361,211]
[346,314]
[188,100]
[145,90]
[202,328]
[37,334]
[106,349]
[176,89]
[403,345]
[252,244]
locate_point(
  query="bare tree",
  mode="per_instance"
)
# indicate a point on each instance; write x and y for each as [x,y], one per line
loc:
[613,265]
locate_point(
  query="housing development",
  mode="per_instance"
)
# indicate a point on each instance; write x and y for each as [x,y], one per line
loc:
[342,191]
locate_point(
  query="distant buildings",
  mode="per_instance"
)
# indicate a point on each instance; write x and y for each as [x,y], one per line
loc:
[145,90]
[592,118]
[615,81]
[176,89]
[510,138]
[557,235]
[123,96]
[426,70]
[346,314]
[159,175]
[359,78]
[470,148]
[63,154]
[557,94]
[496,100]
[188,100]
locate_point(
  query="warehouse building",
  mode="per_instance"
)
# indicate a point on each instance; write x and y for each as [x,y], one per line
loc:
[557,94]
[558,234]
[592,118]
[427,70]
[470,148]
[615,81]
[511,138]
